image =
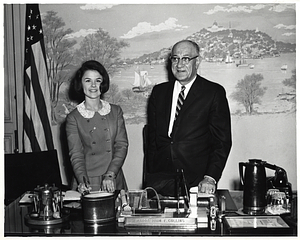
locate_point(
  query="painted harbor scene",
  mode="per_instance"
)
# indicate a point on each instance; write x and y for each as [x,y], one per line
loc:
[250,49]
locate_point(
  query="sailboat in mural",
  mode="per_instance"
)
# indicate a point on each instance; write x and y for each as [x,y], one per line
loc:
[141,81]
[284,67]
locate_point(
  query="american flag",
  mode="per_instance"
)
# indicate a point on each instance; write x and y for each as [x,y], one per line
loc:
[37,102]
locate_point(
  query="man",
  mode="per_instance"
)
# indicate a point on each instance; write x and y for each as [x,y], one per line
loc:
[198,139]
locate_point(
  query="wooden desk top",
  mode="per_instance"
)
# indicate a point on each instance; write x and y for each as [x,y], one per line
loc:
[15,224]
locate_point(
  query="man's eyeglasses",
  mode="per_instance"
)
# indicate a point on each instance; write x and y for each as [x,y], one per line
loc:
[185,60]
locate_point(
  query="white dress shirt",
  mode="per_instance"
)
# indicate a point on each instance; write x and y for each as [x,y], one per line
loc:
[176,91]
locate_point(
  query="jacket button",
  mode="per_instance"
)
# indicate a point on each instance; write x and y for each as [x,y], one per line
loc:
[107,140]
[93,142]
[88,120]
[108,151]
[93,153]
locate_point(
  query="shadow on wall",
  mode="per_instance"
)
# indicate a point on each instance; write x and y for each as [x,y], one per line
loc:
[170,75]
[65,154]
[236,185]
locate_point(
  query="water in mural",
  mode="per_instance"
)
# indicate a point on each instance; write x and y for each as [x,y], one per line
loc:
[227,74]
[274,71]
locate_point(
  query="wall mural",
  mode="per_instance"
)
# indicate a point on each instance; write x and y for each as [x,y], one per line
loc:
[250,49]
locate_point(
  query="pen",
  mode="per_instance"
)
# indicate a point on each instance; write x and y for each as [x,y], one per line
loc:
[86,185]
[187,198]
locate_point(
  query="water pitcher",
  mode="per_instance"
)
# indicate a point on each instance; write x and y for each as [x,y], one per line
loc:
[253,179]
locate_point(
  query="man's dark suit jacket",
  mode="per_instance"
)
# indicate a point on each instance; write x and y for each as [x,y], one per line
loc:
[201,138]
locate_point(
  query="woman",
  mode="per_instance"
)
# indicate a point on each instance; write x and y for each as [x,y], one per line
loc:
[96,133]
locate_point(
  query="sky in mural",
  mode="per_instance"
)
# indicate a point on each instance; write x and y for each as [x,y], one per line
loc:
[151,27]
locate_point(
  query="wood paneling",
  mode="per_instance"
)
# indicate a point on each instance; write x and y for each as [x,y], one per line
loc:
[14,39]
[8,143]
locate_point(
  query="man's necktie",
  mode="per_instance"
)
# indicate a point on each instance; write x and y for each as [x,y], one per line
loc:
[179,101]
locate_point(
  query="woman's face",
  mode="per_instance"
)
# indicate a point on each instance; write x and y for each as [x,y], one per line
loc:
[91,81]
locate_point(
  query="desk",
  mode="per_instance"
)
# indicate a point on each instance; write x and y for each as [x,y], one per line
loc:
[15,225]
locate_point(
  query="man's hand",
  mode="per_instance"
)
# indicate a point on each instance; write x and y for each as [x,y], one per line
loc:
[207,185]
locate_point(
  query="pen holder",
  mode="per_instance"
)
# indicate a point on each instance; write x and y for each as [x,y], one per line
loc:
[144,207]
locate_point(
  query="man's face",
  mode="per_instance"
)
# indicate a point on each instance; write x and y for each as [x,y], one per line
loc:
[183,71]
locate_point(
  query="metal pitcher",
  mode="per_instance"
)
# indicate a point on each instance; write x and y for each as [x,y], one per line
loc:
[253,179]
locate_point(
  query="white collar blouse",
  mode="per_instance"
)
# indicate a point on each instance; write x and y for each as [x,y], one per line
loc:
[89,113]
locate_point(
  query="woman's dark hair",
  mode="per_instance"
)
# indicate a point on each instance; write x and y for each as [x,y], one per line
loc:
[76,90]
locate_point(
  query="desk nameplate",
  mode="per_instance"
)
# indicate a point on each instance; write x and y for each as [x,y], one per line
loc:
[160,222]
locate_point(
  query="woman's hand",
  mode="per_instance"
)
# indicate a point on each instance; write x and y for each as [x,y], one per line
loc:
[84,188]
[109,182]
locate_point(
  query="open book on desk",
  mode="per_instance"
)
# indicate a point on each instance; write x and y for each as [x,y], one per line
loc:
[72,195]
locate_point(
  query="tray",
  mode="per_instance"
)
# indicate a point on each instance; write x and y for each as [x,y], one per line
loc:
[50,221]
[256,225]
